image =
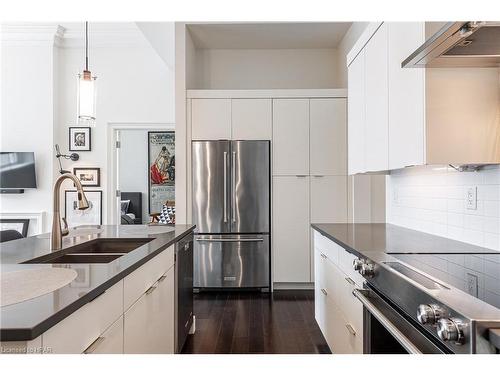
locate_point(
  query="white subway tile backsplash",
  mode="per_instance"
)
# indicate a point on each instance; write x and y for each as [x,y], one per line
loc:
[433,200]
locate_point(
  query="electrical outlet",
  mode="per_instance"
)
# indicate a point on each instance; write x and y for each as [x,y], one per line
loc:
[471,198]
[395,196]
[472,287]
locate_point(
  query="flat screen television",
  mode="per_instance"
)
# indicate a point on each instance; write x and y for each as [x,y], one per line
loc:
[17,172]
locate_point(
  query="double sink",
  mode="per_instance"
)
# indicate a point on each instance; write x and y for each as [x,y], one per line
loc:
[100,250]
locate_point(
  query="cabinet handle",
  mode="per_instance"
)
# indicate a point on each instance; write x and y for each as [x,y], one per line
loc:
[350,329]
[92,347]
[300,175]
[151,289]
[318,175]
[324,292]
[350,281]
[323,256]
[162,278]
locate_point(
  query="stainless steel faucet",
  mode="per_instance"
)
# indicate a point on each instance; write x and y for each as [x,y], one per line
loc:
[57,231]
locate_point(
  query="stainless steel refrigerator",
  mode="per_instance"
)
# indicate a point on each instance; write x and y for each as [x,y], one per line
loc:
[231,210]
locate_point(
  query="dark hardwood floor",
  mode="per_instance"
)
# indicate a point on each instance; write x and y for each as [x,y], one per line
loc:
[248,322]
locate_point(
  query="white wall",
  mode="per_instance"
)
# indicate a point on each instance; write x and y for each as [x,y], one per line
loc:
[433,200]
[133,85]
[38,87]
[134,165]
[265,69]
[27,113]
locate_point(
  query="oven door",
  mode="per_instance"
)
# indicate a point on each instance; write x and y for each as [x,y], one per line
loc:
[387,331]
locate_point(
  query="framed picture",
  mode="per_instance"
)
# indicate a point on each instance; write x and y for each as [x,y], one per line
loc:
[20,225]
[90,216]
[161,169]
[88,176]
[79,139]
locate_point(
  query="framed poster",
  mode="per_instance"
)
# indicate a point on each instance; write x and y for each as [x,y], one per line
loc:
[79,139]
[161,166]
[90,216]
[88,176]
[19,225]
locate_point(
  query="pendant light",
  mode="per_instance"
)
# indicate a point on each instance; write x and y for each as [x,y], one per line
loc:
[86,89]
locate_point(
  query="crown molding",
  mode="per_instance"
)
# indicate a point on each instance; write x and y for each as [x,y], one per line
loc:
[72,35]
[32,33]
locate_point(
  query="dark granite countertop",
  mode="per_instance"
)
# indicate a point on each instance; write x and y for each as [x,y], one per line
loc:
[27,320]
[445,260]
[388,238]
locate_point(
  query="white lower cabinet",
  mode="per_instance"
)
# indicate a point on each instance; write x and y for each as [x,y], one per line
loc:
[149,322]
[337,311]
[110,342]
[291,244]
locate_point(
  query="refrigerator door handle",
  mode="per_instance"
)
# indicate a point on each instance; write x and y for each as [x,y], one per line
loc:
[230,239]
[225,187]
[233,188]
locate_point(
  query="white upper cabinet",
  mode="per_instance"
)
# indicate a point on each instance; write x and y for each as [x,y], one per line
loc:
[406,96]
[291,136]
[211,119]
[328,132]
[376,120]
[356,114]
[251,119]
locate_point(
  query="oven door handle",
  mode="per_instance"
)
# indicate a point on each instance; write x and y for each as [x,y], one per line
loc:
[360,294]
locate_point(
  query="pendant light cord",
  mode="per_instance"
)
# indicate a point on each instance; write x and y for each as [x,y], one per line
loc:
[86,46]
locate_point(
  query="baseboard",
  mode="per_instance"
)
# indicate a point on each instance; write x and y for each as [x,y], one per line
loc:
[285,286]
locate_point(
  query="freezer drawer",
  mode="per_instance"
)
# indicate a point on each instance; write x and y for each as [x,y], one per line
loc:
[231,261]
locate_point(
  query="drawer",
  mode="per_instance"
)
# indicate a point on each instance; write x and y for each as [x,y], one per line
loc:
[346,260]
[326,246]
[350,306]
[79,330]
[109,342]
[333,282]
[340,338]
[135,284]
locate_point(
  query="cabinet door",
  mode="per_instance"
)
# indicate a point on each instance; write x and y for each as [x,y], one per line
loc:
[356,115]
[406,96]
[251,119]
[110,342]
[211,119]
[328,132]
[291,229]
[329,199]
[291,136]
[149,322]
[376,96]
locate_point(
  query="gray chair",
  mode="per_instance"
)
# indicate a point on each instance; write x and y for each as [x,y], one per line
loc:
[9,235]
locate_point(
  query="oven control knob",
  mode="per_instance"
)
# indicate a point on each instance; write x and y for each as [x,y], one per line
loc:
[367,269]
[450,329]
[429,314]
[357,264]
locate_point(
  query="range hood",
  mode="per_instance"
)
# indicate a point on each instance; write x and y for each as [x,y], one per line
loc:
[459,44]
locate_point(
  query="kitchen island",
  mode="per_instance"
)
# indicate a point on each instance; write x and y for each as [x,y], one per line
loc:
[126,294]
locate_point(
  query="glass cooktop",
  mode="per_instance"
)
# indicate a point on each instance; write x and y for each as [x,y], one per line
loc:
[475,274]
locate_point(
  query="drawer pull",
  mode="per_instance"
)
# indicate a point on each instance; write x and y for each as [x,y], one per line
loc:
[92,347]
[350,281]
[162,278]
[323,256]
[350,329]
[151,289]
[324,292]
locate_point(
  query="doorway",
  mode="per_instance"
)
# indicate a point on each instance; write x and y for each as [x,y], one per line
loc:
[128,166]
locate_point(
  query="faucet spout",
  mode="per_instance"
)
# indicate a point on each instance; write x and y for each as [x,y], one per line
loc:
[57,231]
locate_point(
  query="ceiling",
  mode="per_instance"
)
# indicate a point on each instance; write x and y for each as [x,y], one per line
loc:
[286,35]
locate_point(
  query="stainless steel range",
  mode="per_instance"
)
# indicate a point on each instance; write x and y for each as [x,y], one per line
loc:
[430,303]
